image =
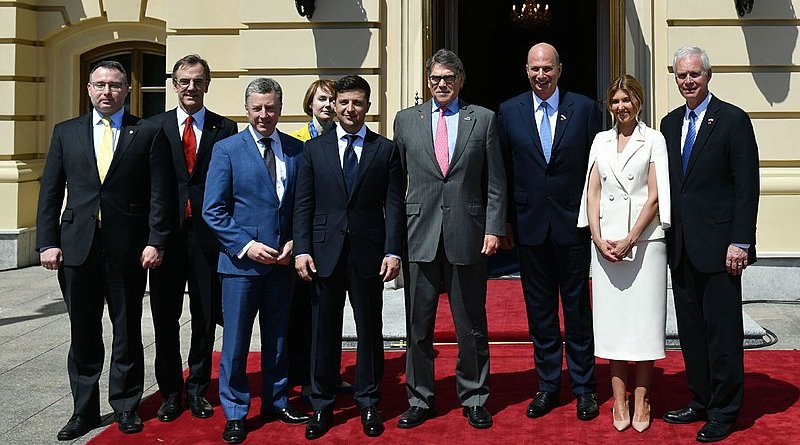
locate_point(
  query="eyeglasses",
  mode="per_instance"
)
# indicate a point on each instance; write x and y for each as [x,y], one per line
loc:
[449,79]
[184,83]
[113,86]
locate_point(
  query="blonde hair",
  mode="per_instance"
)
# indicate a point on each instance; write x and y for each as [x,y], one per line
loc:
[629,85]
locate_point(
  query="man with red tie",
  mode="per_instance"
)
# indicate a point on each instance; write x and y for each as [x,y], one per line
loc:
[192,131]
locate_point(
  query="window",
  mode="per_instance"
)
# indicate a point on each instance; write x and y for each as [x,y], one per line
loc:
[146,66]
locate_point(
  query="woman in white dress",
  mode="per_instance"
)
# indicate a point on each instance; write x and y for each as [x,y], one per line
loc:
[626,206]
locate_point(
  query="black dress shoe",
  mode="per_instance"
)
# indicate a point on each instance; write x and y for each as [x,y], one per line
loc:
[200,407]
[477,416]
[371,421]
[543,402]
[714,431]
[129,422]
[319,424]
[234,431]
[285,415]
[170,408]
[684,415]
[415,416]
[77,426]
[588,407]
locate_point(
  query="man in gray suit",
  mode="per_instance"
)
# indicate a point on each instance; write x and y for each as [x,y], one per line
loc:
[455,209]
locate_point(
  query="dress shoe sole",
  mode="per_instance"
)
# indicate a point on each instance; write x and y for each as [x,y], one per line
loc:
[480,426]
[683,421]
[373,432]
[167,418]
[315,435]
[233,440]
[534,415]
[716,439]
[588,417]
[408,426]
[202,415]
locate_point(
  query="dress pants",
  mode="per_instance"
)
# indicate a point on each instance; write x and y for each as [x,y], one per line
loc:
[85,288]
[244,296]
[185,260]
[546,271]
[466,287]
[708,307]
[327,306]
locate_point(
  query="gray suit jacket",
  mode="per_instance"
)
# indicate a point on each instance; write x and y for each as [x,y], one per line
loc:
[462,206]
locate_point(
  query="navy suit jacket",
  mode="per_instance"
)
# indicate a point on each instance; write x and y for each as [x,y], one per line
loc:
[373,214]
[547,195]
[241,203]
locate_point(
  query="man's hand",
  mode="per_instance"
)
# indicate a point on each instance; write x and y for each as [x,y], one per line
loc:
[490,244]
[390,268]
[507,242]
[286,254]
[735,260]
[151,257]
[262,253]
[51,259]
[304,265]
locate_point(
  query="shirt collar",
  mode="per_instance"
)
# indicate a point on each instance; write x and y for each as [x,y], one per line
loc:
[700,108]
[340,133]
[116,118]
[198,117]
[552,101]
[452,107]
[257,136]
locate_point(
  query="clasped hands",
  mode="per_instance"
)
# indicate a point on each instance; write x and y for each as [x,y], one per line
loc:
[614,250]
[262,253]
[305,267]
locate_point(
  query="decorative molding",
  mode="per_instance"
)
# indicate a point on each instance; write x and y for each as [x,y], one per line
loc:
[16,41]
[313,25]
[31,79]
[732,22]
[774,114]
[39,8]
[342,71]
[22,117]
[751,69]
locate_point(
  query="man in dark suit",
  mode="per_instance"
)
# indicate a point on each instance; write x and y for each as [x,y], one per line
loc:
[455,212]
[248,205]
[546,136]
[348,237]
[713,161]
[116,221]
[192,130]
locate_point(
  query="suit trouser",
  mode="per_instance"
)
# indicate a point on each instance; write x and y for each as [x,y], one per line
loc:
[185,260]
[84,288]
[708,307]
[242,297]
[546,271]
[327,307]
[466,287]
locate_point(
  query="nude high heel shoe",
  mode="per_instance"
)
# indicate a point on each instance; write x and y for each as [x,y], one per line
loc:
[621,425]
[641,425]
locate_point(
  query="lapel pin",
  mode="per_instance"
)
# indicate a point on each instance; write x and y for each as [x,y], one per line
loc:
[468,118]
[563,118]
[710,120]
[130,131]
[421,116]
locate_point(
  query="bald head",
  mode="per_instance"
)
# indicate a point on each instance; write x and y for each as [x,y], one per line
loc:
[544,69]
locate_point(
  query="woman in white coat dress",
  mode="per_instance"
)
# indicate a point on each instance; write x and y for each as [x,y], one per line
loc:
[626,206]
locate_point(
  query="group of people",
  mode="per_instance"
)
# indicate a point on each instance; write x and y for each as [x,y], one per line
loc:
[259,223]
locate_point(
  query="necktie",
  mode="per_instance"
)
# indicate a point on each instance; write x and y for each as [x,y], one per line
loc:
[440,145]
[190,153]
[350,163]
[545,135]
[269,159]
[691,133]
[106,149]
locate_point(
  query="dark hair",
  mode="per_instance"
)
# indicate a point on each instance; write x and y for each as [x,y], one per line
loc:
[352,83]
[264,85]
[629,85]
[324,84]
[109,65]
[447,58]
[189,60]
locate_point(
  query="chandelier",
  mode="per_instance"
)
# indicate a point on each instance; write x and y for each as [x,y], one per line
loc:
[532,14]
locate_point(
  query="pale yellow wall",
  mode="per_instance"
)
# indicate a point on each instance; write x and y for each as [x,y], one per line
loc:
[754,61]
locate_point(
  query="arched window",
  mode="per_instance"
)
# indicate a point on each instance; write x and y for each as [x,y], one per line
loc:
[146,66]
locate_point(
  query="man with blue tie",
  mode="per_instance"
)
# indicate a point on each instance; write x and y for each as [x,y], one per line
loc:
[348,230]
[248,205]
[546,135]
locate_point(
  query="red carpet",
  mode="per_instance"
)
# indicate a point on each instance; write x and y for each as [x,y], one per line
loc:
[770,415]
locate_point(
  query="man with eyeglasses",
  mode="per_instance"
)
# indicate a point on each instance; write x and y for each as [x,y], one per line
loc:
[191,130]
[114,226]
[455,212]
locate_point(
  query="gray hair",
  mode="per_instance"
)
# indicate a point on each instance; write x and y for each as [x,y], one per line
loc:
[447,58]
[687,51]
[109,65]
[264,85]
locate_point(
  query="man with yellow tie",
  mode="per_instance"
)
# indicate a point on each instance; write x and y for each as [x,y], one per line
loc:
[116,169]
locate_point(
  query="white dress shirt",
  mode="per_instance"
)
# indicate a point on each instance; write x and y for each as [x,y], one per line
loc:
[552,112]
[700,112]
[199,119]
[358,144]
[98,129]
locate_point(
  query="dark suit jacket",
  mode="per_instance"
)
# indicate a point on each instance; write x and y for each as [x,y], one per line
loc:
[547,195]
[715,203]
[136,196]
[191,188]
[241,203]
[372,214]
[466,203]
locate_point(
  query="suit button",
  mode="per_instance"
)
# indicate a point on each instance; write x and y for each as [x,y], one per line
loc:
[444,180]
[624,196]
[610,197]
[441,206]
[603,176]
[683,192]
[630,176]
[342,232]
[547,196]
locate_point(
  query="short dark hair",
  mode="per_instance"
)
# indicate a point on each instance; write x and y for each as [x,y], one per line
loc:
[189,60]
[447,58]
[264,85]
[352,83]
[109,65]
[323,84]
